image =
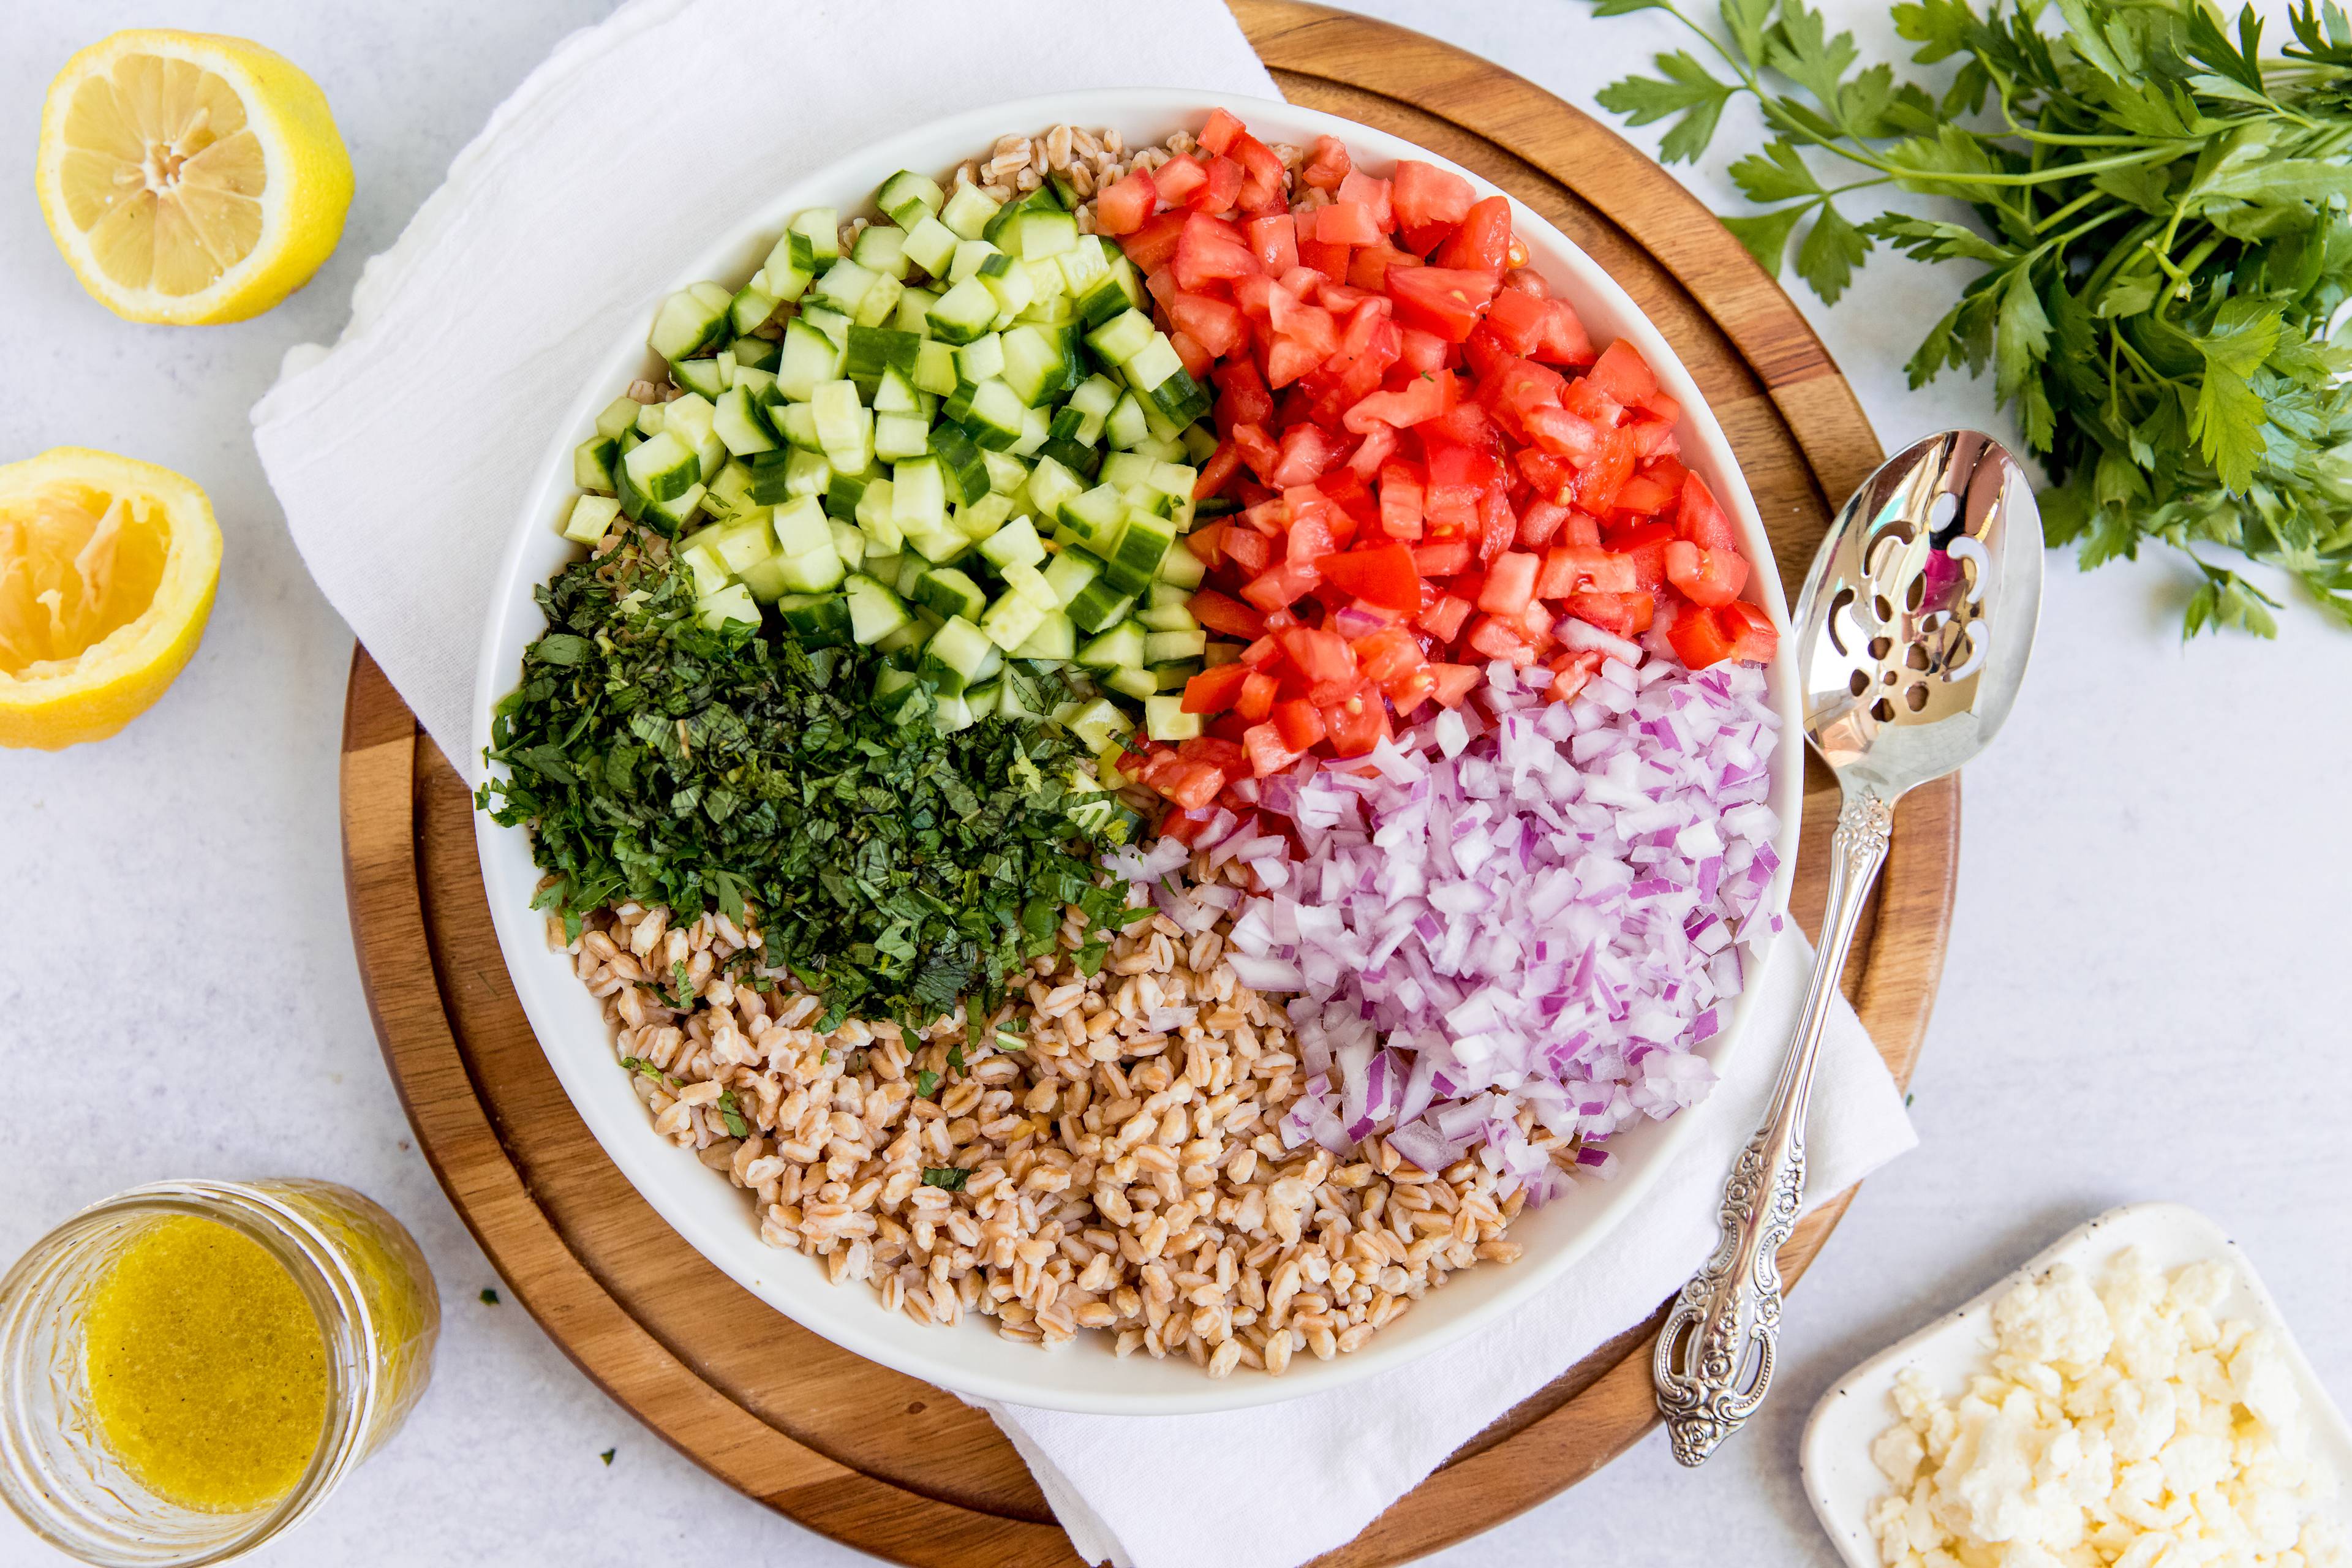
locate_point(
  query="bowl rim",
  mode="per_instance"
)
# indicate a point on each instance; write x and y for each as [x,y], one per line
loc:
[655,1168]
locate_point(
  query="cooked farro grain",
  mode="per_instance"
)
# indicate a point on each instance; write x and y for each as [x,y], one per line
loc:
[1112,1139]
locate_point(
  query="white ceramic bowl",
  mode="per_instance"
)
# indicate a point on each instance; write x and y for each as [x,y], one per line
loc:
[715,1217]
[1844,1483]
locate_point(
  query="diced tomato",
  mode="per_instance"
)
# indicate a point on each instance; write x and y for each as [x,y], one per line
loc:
[1184,826]
[1441,558]
[1399,501]
[1327,163]
[1347,223]
[1279,585]
[1257,448]
[1510,583]
[1644,546]
[1217,134]
[1262,654]
[1255,699]
[1298,722]
[1499,639]
[1575,569]
[1442,299]
[1368,267]
[1215,473]
[1385,654]
[1752,635]
[1643,496]
[1224,615]
[1708,577]
[1178,178]
[1209,250]
[1250,551]
[1453,682]
[1225,755]
[1539,521]
[1356,724]
[1498,525]
[1243,399]
[1221,190]
[1307,451]
[1213,323]
[1379,445]
[1274,239]
[1520,319]
[1565,338]
[1121,206]
[1420,352]
[1444,618]
[1422,398]
[1153,242]
[1382,573]
[1267,755]
[1483,242]
[1196,359]
[1208,541]
[1262,186]
[1698,639]
[1192,785]
[1570,673]
[1527,282]
[1410,689]
[1214,690]
[1620,613]
[1423,196]
[1624,375]
[1318,655]
[1701,520]
[1326,257]
[1598,483]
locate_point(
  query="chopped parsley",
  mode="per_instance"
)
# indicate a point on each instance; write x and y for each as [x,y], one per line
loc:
[490,1296]
[732,1114]
[947,1176]
[607,1456]
[639,1065]
[925,1081]
[897,870]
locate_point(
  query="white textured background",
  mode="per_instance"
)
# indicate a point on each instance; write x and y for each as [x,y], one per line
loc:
[2144,998]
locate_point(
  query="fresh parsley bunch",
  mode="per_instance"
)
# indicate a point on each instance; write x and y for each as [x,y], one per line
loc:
[895,870]
[2162,235]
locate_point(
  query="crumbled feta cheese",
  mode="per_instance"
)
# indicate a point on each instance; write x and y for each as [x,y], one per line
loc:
[2120,1426]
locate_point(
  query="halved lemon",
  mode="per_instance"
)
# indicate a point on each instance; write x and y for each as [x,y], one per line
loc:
[107,571]
[188,177]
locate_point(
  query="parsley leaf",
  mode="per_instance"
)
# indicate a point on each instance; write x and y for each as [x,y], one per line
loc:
[947,1176]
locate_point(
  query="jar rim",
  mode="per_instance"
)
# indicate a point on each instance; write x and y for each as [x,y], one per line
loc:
[329,1285]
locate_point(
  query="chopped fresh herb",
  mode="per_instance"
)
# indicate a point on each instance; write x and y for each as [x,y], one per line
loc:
[925,1082]
[489,1297]
[732,1114]
[1906,1102]
[685,987]
[947,1176]
[607,1456]
[955,1056]
[893,867]
[639,1065]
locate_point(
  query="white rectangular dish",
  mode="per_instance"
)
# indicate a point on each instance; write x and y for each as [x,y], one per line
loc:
[1845,1483]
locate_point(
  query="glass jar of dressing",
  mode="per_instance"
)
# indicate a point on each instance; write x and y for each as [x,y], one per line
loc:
[189,1368]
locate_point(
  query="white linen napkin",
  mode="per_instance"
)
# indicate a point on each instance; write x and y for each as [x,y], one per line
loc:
[1349,1454]
[402,455]
[380,469]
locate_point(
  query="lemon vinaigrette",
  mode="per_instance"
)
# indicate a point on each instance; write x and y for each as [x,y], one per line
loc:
[187,1369]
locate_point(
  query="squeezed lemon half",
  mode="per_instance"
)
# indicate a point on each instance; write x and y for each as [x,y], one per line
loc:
[188,177]
[107,571]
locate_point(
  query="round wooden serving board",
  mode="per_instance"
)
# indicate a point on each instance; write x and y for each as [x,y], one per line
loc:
[878,1460]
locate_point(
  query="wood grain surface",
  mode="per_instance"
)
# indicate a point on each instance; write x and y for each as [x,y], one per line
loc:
[884,1462]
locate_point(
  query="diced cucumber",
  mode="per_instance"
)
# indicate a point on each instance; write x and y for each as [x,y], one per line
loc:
[750,310]
[846,285]
[790,267]
[822,228]
[971,255]
[1126,425]
[833,324]
[930,245]
[963,313]
[875,612]
[967,211]
[1030,583]
[738,546]
[908,639]
[896,394]
[1046,234]
[1164,719]
[1218,653]
[882,248]
[954,714]
[619,414]
[957,655]
[913,305]
[872,351]
[1032,440]
[1095,722]
[1166,617]
[980,358]
[1131,682]
[982,518]
[961,465]
[1034,366]
[649,418]
[1121,288]
[731,492]
[690,320]
[590,519]
[731,603]
[1166,648]
[1055,638]
[1008,476]
[1081,461]
[839,416]
[1183,569]
[702,563]
[905,194]
[706,377]
[1100,607]
[899,436]
[874,519]
[1010,284]
[1095,517]
[737,423]
[1142,544]
[843,496]
[1015,542]
[949,592]
[918,501]
[591,462]
[1174,677]
[881,301]
[848,542]
[1082,264]
[662,467]
[1094,398]
[1122,337]
[997,417]
[818,620]
[1119,648]
[984,702]
[809,359]
[801,527]
[895,694]
[935,368]
[1069,574]
[1012,620]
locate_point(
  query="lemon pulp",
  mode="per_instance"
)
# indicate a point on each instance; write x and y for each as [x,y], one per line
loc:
[76,565]
[207,1369]
[163,173]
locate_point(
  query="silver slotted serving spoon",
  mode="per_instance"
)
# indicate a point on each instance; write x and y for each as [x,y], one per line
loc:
[1912,635]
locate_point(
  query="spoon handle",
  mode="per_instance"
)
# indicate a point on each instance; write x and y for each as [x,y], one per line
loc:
[1713,1358]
